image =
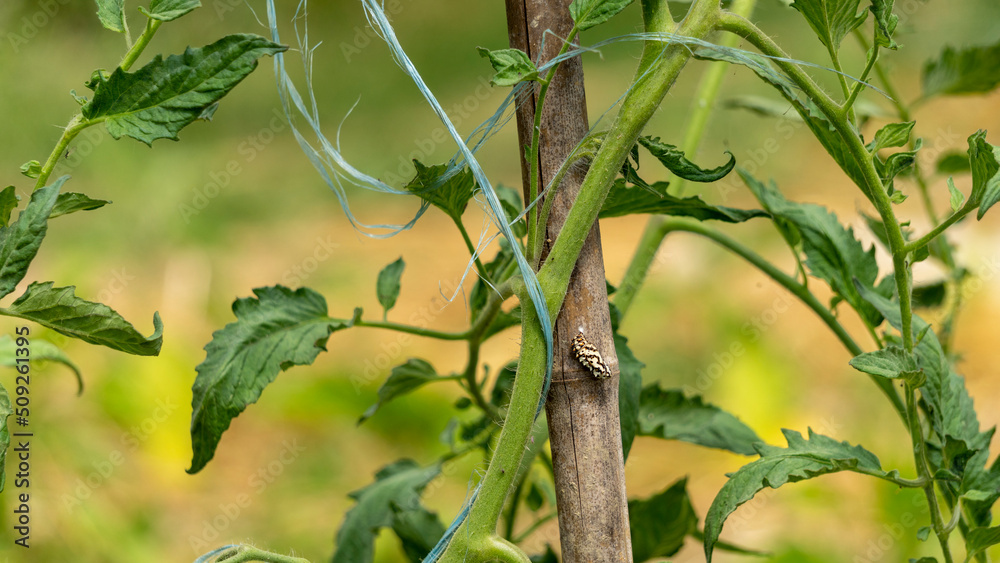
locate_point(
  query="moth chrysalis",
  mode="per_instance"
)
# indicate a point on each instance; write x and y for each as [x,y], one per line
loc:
[590,357]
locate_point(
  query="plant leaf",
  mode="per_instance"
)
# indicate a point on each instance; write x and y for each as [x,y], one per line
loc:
[892,135]
[510,200]
[833,254]
[167,10]
[20,241]
[276,330]
[891,362]
[885,23]
[40,350]
[402,380]
[957,198]
[32,169]
[387,285]
[449,194]
[810,114]
[953,162]
[623,200]
[70,202]
[588,13]
[668,414]
[802,459]
[166,95]
[112,14]
[397,485]
[984,159]
[972,70]
[8,203]
[674,160]
[511,66]
[629,391]
[831,19]
[981,538]
[660,523]
[5,411]
[62,311]
[418,531]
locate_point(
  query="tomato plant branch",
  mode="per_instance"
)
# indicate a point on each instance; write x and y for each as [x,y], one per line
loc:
[75,126]
[923,470]
[480,269]
[244,553]
[658,68]
[140,44]
[860,84]
[793,286]
[938,230]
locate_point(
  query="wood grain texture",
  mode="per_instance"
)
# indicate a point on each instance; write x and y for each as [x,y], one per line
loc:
[582,410]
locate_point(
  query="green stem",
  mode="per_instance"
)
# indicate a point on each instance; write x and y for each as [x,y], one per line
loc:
[147,35]
[534,527]
[244,553]
[860,85]
[416,330]
[792,285]
[536,226]
[923,470]
[76,125]
[472,249]
[936,231]
[835,58]
[658,68]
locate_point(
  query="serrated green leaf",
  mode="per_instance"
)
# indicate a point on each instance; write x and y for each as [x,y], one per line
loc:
[981,538]
[831,19]
[32,169]
[802,459]
[511,65]
[659,524]
[984,159]
[930,295]
[897,197]
[668,414]
[892,135]
[167,10]
[449,194]
[623,200]
[885,23]
[674,160]
[112,14]
[403,379]
[833,253]
[818,124]
[589,13]
[278,329]
[972,70]
[892,362]
[629,391]
[166,95]
[61,310]
[922,534]
[5,411]
[387,285]
[397,485]
[952,413]
[957,198]
[952,162]
[40,350]
[418,531]
[71,202]
[8,203]
[19,242]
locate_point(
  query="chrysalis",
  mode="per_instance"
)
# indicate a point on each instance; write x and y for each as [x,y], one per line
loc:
[590,357]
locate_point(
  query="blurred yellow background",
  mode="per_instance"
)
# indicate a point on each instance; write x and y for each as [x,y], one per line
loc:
[108,467]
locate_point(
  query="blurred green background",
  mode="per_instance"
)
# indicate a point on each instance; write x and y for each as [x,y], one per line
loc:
[108,468]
